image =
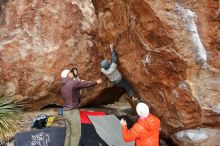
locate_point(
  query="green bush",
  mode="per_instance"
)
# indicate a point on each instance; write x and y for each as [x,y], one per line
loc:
[9,117]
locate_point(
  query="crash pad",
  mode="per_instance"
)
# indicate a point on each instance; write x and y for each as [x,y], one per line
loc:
[84,116]
[109,129]
[89,137]
[44,137]
[56,136]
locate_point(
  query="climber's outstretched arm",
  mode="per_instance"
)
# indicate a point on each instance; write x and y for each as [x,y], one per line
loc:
[114,55]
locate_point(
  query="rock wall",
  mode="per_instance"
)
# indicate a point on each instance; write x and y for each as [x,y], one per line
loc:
[41,38]
[168,50]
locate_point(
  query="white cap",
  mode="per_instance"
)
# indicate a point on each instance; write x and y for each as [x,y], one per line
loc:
[142,110]
[64,73]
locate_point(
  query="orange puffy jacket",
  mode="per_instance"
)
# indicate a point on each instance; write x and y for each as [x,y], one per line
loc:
[145,132]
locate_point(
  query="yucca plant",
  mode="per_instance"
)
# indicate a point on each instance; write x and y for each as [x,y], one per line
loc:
[9,117]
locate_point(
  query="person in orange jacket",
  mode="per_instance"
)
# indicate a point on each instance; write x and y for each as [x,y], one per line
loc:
[146,131]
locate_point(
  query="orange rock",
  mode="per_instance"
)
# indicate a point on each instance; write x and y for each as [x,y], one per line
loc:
[158,54]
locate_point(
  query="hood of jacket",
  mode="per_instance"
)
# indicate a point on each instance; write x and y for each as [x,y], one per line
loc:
[150,123]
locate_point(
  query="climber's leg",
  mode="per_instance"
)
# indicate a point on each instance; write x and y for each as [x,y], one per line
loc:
[132,99]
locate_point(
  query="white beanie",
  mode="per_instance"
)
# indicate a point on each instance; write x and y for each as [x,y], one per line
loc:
[142,110]
[64,73]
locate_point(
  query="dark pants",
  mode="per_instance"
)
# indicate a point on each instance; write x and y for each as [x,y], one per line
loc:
[125,85]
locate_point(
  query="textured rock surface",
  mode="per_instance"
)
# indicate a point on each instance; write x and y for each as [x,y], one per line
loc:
[41,38]
[198,137]
[169,51]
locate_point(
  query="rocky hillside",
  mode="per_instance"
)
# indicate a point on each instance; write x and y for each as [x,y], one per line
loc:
[168,50]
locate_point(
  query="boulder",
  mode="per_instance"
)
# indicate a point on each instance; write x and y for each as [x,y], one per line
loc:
[168,51]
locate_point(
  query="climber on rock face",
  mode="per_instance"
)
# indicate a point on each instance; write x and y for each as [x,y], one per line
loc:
[111,71]
[70,92]
[145,131]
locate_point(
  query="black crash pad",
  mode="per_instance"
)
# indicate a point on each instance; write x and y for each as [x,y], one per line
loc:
[56,136]
[89,137]
[44,137]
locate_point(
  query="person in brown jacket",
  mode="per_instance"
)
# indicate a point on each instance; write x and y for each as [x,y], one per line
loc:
[70,92]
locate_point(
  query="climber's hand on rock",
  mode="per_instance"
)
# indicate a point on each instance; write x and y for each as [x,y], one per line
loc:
[134,98]
[111,47]
[99,81]
[123,122]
